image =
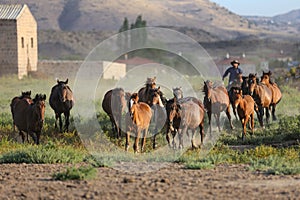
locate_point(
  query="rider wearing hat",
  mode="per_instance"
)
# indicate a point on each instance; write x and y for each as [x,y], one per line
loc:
[234,70]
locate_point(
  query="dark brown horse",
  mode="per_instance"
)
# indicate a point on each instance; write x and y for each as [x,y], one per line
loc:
[145,92]
[186,114]
[61,101]
[237,83]
[262,96]
[245,108]
[114,104]
[159,112]
[276,93]
[137,121]
[216,100]
[24,95]
[29,118]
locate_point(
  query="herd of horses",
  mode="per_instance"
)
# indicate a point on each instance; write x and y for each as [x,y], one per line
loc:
[29,114]
[247,95]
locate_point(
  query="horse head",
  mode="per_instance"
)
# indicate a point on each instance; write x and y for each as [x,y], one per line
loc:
[26,94]
[132,104]
[265,78]
[39,107]
[155,97]
[252,83]
[207,88]
[62,90]
[237,96]
[177,92]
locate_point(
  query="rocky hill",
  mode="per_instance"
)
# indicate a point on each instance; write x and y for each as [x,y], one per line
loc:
[79,15]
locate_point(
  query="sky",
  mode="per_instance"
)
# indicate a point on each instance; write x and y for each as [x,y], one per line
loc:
[268,8]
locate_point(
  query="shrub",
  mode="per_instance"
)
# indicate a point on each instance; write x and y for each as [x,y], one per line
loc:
[47,154]
[73,173]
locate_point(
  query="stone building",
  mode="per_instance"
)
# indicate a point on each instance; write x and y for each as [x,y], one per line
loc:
[18,40]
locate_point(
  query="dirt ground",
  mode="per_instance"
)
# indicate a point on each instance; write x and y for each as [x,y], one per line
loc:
[32,181]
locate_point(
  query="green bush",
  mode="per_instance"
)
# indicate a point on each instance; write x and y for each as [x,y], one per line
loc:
[46,154]
[73,173]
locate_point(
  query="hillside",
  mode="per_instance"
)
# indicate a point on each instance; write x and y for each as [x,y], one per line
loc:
[79,15]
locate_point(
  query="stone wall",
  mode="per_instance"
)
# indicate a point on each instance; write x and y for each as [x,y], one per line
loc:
[59,69]
[8,47]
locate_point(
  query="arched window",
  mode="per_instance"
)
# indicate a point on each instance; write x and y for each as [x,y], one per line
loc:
[31,42]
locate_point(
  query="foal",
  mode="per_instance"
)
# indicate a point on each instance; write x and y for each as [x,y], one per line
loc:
[245,106]
[139,120]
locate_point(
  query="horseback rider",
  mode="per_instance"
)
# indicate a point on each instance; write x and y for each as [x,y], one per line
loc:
[234,72]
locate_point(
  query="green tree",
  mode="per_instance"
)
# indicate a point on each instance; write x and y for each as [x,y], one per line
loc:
[123,39]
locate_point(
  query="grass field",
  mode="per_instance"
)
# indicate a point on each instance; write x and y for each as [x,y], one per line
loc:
[274,150]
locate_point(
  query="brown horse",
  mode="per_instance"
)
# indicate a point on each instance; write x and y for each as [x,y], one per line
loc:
[216,100]
[144,92]
[137,121]
[262,96]
[114,104]
[276,93]
[29,118]
[186,113]
[61,101]
[245,108]
[24,95]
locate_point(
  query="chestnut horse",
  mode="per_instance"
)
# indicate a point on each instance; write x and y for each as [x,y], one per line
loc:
[29,118]
[276,93]
[24,95]
[245,106]
[137,121]
[61,101]
[216,100]
[262,96]
[186,113]
[114,104]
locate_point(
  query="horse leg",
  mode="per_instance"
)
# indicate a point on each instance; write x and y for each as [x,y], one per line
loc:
[60,122]
[274,118]
[67,120]
[127,140]
[209,121]
[144,140]
[21,133]
[244,123]
[119,130]
[228,116]
[192,140]
[168,137]
[38,134]
[136,142]
[154,137]
[252,123]
[267,115]
[173,135]
[31,133]
[217,118]
[261,116]
[201,127]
